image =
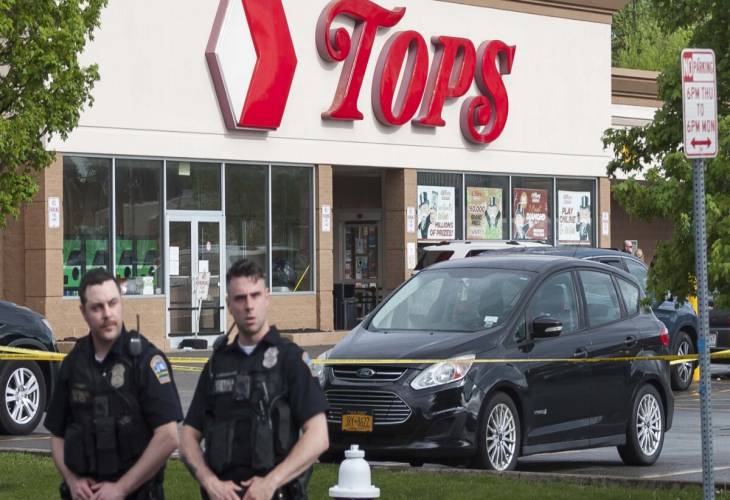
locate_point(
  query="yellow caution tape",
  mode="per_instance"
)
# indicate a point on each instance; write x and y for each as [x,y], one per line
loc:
[20,354]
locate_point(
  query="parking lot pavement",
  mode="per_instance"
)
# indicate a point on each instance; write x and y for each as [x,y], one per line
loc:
[681,458]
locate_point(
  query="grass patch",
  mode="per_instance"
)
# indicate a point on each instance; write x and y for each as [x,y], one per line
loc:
[25,476]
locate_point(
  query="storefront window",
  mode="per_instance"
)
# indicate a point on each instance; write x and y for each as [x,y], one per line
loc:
[576,211]
[246,202]
[532,208]
[86,218]
[193,185]
[487,207]
[440,206]
[291,229]
[138,217]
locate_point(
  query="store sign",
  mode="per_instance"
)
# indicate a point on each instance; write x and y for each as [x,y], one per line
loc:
[456,64]
[253,68]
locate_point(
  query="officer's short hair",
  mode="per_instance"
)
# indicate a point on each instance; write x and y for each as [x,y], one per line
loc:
[95,277]
[244,268]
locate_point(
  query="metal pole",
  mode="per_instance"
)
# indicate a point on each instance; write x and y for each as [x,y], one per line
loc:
[703,348]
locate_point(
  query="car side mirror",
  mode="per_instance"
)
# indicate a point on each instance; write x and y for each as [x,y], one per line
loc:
[544,327]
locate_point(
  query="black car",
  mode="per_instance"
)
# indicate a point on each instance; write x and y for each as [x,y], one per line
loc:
[680,320]
[26,385]
[524,314]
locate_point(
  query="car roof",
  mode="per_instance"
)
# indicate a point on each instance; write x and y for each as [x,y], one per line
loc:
[521,261]
[483,244]
[576,252]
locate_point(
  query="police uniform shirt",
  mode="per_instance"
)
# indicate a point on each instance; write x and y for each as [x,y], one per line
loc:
[305,397]
[158,398]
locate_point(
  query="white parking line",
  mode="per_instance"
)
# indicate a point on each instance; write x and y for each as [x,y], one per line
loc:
[681,473]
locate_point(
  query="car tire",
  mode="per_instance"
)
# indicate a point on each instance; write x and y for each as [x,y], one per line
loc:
[23,391]
[645,431]
[499,435]
[682,373]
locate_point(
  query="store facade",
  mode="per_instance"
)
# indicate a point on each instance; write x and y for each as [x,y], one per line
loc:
[327,145]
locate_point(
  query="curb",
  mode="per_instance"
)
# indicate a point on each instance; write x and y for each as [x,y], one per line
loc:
[578,479]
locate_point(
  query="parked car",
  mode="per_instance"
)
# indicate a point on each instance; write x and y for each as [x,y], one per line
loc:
[526,308]
[25,386]
[719,331]
[680,320]
[459,249]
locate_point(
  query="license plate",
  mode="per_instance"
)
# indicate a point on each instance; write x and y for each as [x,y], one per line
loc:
[712,341]
[357,422]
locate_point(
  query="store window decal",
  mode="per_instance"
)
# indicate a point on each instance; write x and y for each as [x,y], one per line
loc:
[574,217]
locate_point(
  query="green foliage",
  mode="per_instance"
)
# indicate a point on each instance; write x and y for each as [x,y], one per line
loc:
[655,151]
[42,86]
[639,41]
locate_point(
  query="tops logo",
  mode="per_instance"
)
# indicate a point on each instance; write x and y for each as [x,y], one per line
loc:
[456,64]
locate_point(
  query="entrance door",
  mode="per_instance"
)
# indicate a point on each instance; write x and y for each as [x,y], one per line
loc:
[195,302]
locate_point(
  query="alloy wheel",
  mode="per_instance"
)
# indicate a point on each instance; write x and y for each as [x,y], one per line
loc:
[649,424]
[501,436]
[684,370]
[22,396]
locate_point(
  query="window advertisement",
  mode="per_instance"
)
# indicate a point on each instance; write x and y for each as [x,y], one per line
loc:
[530,218]
[574,218]
[436,213]
[86,218]
[138,226]
[484,216]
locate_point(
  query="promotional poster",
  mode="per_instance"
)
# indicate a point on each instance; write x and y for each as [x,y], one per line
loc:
[436,213]
[530,214]
[574,217]
[484,213]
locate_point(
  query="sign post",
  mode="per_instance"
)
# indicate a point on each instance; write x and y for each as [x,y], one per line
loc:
[699,106]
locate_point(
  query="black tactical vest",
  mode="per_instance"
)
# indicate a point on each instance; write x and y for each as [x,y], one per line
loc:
[248,422]
[106,433]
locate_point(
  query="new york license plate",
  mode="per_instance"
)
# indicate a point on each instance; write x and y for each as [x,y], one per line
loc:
[357,422]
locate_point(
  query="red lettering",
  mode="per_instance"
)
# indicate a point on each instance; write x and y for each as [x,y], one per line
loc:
[488,111]
[389,67]
[336,45]
[451,75]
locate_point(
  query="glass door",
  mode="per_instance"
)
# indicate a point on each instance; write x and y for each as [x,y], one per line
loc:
[195,301]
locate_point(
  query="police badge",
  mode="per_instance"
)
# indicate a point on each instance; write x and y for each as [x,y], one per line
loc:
[270,357]
[117,379]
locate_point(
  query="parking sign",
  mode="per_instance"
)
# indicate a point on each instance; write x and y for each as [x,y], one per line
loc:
[699,103]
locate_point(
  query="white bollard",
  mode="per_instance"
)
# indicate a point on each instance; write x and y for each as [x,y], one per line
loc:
[353,478]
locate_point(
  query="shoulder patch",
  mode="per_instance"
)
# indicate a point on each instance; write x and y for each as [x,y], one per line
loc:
[160,369]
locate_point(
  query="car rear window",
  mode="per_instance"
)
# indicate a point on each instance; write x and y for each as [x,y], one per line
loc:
[460,299]
[429,258]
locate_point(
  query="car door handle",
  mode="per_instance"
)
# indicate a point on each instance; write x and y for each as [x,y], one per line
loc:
[630,341]
[581,352]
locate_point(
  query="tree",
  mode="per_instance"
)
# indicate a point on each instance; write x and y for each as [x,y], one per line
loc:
[42,87]
[638,40]
[655,151]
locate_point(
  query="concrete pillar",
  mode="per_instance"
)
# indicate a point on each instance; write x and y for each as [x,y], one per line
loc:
[604,207]
[325,249]
[43,245]
[400,191]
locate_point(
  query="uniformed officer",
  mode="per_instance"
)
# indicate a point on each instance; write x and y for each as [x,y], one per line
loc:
[254,396]
[114,412]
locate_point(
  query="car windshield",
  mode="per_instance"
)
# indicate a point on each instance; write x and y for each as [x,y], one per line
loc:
[457,299]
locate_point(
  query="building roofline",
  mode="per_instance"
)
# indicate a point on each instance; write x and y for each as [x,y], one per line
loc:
[600,11]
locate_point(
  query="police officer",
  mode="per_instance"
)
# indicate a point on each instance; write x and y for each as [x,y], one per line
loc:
[253,397]
[114,412]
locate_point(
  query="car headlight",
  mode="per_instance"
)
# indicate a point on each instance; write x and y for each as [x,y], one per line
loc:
[320,371]
[444,372]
